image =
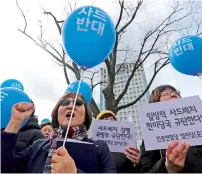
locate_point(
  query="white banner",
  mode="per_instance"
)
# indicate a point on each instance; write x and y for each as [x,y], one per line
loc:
[117,134]
[164,122]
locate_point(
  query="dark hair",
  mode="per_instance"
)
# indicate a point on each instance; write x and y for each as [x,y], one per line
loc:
[156,93]
[88,116]
[45,124]
[32,115]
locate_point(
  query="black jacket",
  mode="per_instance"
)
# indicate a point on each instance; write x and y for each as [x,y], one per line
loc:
[154,161]
[29,133]
[123,165]
[33,158]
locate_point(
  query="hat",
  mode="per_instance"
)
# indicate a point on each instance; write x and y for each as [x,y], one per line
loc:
[45,124]
[103,113]
[45,120]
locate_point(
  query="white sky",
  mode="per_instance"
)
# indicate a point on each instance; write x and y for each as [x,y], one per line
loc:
[43,80]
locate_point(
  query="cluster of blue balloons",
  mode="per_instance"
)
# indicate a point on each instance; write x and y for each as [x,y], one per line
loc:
[11,93]
[84,90]
[186,55]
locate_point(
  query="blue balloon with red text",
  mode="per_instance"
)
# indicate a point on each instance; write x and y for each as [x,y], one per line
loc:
[84,90]
[12,83]
[9,97]
[88,36]
[186,55]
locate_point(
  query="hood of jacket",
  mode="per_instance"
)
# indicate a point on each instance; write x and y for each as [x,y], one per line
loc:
[32,123]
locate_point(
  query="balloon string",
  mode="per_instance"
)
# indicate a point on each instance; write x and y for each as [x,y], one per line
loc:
[77,92]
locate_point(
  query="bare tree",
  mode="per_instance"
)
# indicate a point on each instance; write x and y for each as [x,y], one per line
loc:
[155,42]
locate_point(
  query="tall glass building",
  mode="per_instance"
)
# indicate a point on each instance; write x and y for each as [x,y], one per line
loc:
[136,87]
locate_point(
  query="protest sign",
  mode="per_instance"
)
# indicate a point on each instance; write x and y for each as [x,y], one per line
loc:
[164,122]
[117,134]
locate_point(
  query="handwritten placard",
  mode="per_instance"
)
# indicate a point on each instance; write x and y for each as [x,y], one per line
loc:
[117,134]
[164,122]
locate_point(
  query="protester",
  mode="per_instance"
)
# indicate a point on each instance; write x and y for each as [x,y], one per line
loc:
[47,129]
[129,161]
[28,134]
[43,156]
[178,157]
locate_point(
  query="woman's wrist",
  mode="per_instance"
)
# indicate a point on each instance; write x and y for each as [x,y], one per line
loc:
[12,127]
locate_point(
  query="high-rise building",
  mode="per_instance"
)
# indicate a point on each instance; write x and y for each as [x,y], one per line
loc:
[136,87]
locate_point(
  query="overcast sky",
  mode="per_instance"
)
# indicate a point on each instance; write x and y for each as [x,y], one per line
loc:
[42,78]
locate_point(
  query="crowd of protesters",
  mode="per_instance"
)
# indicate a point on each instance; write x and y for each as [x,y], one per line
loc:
[33,148]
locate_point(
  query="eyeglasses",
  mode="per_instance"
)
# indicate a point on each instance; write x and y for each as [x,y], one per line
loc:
[168,93]
[66,102]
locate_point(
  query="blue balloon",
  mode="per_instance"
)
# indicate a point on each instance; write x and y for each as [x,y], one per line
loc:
[45,120]
[12,83]
[9,97]
[85,90]
[88,36]
[186,55]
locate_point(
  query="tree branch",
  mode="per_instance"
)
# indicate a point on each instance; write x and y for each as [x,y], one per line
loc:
[198,28]
[121,13]
[57,23]
[24,17]
[132,18]
[92,78]
[138,63]
[98,83]
[65,70]
[53,55]
[121,64]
